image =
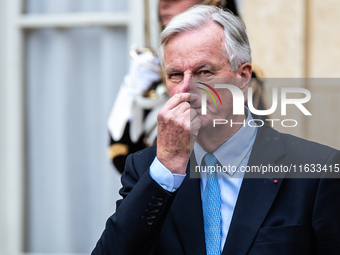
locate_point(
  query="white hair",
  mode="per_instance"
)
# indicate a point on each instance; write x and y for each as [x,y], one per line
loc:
[236,40]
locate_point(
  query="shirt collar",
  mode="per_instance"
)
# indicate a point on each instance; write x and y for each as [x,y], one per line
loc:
[237,147]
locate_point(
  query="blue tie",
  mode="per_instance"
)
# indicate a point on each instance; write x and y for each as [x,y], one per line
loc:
[212,209]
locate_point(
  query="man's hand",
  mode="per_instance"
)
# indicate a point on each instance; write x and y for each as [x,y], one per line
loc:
[174,139]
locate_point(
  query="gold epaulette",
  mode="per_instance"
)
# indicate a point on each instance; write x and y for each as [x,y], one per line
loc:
[117,149]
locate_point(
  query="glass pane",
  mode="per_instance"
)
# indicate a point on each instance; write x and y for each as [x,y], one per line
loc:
[72,79]
[64,6]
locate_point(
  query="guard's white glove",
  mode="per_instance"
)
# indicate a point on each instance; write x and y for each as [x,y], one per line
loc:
[141,77]
[138,80]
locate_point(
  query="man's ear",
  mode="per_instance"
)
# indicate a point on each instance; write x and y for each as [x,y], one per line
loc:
[244,72]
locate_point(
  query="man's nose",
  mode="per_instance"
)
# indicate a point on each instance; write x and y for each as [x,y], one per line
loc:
[185,86]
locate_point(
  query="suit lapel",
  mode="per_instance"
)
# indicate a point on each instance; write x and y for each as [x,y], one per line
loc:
[254,201]
[256,194]
[188,215]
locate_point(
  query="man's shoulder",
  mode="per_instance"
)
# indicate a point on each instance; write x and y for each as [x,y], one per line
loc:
[293,146]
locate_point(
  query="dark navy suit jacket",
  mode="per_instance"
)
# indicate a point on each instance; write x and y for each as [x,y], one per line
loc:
[291,216]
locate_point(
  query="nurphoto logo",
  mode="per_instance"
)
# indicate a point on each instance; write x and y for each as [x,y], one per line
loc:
[239,99]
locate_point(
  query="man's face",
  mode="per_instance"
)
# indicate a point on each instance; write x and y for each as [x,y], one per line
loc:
[200,54]
[170,8]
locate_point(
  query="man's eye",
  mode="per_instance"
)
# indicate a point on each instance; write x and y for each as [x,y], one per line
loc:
[175,76]
[205,73]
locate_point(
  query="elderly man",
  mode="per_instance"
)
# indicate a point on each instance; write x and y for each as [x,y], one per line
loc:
[142,92]
[164,211]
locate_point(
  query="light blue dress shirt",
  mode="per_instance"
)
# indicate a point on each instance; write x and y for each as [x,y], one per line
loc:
[234,152]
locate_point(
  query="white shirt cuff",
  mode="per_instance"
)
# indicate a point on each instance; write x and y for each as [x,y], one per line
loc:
[167,180]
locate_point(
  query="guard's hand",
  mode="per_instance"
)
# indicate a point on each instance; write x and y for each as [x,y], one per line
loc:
[174,136]
[141,77]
